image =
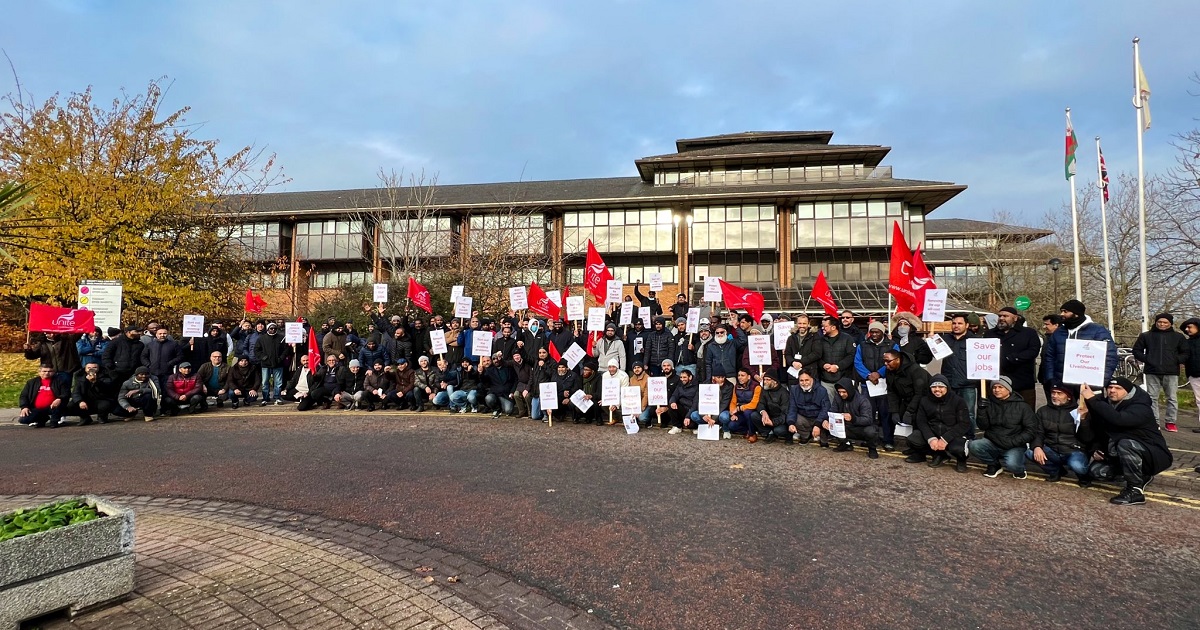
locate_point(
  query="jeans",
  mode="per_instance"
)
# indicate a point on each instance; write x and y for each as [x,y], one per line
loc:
[272,380]
[990,454]
[502,404]
[443,398]
[1164,384]
[244,398]
[43,417]
[722,419]
[780,430]
[535,408]
[970,395]
[648,416]
[743,422]
[1076,461]
[461,399]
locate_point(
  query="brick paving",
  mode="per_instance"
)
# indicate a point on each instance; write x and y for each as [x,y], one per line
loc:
[227,566]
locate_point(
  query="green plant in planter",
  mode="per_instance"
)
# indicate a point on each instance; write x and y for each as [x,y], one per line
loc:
[25,522]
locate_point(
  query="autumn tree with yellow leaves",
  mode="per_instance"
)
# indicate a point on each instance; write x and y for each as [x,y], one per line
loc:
[124,192]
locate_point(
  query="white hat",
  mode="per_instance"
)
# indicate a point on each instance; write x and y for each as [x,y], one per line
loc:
[613,363]
[705,320]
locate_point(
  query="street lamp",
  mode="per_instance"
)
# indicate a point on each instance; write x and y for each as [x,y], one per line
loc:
[1055,264]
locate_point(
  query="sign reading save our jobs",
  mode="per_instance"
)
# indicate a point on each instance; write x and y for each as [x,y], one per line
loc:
[983,359]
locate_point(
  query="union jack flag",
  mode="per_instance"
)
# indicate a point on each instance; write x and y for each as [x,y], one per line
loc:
[1103,175]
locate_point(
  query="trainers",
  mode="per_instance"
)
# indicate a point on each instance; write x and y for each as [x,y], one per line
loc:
[1085,481]
[889,447]
[675,431]
[149,418]
[235,404]
[843,447]
[264,403]
[726,436]
[1053,478]
[1171,428]
[993,471]
[1129,496]
[463,410]
[1020,475]
[495,414]
[278,402]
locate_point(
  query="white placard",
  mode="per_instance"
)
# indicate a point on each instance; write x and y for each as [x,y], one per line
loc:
[983,359]
[293,332]
[1084,362]
[193,326]
[903,430]
[518,300]
[935,306]
[656,282]
[574,355]
[103,299]
[760,349]
[613,294]
[781,331]
[837,425]
[711,433]
[610,391]
[437,340]
[656,390]
[693,321]
[938,346]
[481,343]
[712,289]
[631,425]
[462,308]
[877,389]
[548,394]
[644,315]
[456,292]
[556,297]
[626,313]
[631,400]
[595,319]
[380,290]
[709,400]
[639,344]
[580,402]
[575,307]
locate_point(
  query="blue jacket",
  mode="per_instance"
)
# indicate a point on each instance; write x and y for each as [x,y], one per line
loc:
[813,404]
[1055,350]
[90,351]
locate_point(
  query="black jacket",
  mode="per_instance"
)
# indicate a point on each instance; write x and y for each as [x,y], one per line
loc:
[862,414]
[164,356]
[915,347]
[1162,351]
[805,349]
[270,350]
[684,396]
[1131,419]
[60,354]
[954,367]
[944,417]
[567,384]
[1192,365]
[91,392]
[1007,423]
[1055,429]
[906,385]
[59,387]
[776,403]
[840,351]
[123,355]
[243,379]
[1019,350]
[350,382]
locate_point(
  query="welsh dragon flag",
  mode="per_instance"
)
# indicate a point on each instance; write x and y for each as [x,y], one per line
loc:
[1072,145]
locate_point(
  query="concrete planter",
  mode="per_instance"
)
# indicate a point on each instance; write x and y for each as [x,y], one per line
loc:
[75,567]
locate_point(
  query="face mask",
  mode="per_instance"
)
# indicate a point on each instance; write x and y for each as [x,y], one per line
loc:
[533,328]
[721,338]
[903,330]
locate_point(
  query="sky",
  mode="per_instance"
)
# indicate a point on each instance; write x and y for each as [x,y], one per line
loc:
[481,91]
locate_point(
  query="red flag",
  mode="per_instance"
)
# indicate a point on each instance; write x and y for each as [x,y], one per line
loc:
[254,302]
[554,353]
[540,303]
[596,274]
[824,295]
[737,297]
[922,281]
[420,296]
[314,351]
[45,318]
[562,313]
[900,272]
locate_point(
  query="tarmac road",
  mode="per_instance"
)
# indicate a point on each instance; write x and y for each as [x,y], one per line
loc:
[659,531]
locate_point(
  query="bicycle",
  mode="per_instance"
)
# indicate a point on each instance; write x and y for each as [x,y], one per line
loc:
[1127,366]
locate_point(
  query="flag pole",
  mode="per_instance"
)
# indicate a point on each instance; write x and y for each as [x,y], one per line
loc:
[1075,226]
[1104,234]
[1140,112]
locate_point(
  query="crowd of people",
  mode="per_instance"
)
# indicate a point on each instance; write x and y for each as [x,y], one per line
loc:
[833,383]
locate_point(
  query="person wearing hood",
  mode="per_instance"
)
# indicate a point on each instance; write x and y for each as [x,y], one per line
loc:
[1008,429]
[1059,440]
[1163,353]
[1019,349]
[907,337]
[721,353]
[272,356]
[635,342]
[859,419]
[567,382]
[589,382]
[681,403]
[658,345]
[139,393]
[809,408]
[770,418]
[870,367]
[243,382]
[90,347]
[333,344]
[725,402]
[907,382]
[757,370]
[1191,367]
[1076,324]
[610,348]
[373,352]
[1136,448]
[939,426]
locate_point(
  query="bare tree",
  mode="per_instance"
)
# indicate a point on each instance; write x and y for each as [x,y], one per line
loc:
[1009,268]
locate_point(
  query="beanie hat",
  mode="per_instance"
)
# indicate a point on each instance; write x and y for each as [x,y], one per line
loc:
[1167,316]
[1074,306]
[1004,382]
[938,379]
[877,326]
[718,370]
[973,319]
[354,363]
[756,330]
[1123,383]
[1009,309]
[142,370]
[613,363]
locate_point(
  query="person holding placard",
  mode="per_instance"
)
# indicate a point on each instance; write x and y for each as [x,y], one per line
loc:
[1008,428]
[837,355]
[613,372]
[377,386]
[1076,324]
[1136,448]
[650,300]
[809,408]
[498,381]
[639,378]
[1019,350]
[465,339]
[658,345]
[770,417]
[802,352]
[681,403]
[939,426]
[907,337]
[542,370]
[567,383]
[743,410]
[1163,353]
[1062,437]
[590,383]
[870,367]
[954,367]
[768,359]
[859,416]
[680,307]
[635,342]
[907,382]
[725,403]
[683,353]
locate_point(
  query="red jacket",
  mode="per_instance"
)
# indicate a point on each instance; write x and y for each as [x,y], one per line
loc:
[180,385]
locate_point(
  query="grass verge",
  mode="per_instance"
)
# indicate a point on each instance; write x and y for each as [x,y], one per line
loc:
[14,371]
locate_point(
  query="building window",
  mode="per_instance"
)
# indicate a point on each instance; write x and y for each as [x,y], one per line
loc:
[841,272]
[257,241]
[619,231]
[428,237]
[330,279]
[769,175]
[508,234]
[826,224]
[721,228]
[738,273]
[330,240]
[270,280]
[629,275]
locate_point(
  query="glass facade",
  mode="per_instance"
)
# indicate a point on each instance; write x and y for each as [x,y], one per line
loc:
[619,231]
[854,223]
[509,234]
[330,240]
[960,277]
[332,278]
[841,271]
[737,272]
[259,241]
[769,175]
[960,243]
[718,228]
[433,236]
[631,274]
[270,280]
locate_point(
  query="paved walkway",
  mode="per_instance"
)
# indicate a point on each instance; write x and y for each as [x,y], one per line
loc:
[226,566]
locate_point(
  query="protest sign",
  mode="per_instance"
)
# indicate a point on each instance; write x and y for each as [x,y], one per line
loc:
[518,300]
[548,396]
[193,326]
[462,308]
[1084,362]
[595,319]
[712,289]
[837,425]
[631,400]
[877,389]
[656,390]
[581,403]
[293,332]
[626,313]
[456,292]
[707,432]
[760,349]
[380,290]
[481,343]
[102,297]
[693,321]
[437,340]
[644,315]
[574,355]
[656,282]
[938,346]
[781,331]
[556,297]
[983,359]
[709,400]
[610,391]
[935,306]
[575,307]
[613,293]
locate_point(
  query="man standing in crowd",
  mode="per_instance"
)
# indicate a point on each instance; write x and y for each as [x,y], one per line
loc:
[803,348]
[124,354]
[1191,328]
[837,355]
[1136,448]
[1163,352]
[1076,324]
[610,348]
[849,328]
[684,352]
[58,352]
[658,345]
[165,353]
[721,353]
[954,367]
[272,356]
[870,367]
[44,398]
[1019,348]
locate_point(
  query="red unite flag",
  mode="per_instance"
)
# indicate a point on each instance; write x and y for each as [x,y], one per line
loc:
[922,280]
[314,351]
[254,302]
[596,274]
[540,303]
[420,296]
[900,272]
[52,319]
[737,297]
[824,295]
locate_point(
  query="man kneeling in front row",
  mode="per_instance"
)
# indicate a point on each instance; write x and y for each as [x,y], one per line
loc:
[1136,448]
[939,426]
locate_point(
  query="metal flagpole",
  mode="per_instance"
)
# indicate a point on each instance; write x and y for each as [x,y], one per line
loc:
[1075,226]
[1137,104]
[1104,234]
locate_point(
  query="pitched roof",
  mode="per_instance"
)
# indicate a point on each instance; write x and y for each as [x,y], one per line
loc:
[766,154]
[952,226]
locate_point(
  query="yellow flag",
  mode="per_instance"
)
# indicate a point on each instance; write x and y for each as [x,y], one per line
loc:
[1143,96]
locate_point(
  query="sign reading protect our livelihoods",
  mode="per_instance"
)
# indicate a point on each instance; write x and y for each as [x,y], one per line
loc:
[712,289]
[1084,362]
[983,359]
[102,297]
